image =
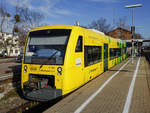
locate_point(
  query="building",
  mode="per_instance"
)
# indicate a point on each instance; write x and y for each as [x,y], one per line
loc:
[126,35]
[123,34]
[120,33]
[12,44]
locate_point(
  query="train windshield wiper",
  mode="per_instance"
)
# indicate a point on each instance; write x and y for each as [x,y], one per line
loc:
[53,55]
[50,57]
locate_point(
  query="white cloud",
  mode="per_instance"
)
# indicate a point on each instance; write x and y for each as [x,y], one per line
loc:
[47,7]
[63,11]
[106,1]
[23,3]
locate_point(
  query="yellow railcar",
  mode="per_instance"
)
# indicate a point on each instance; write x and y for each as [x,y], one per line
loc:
[60,58]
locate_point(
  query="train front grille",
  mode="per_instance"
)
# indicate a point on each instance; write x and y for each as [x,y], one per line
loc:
[39,81]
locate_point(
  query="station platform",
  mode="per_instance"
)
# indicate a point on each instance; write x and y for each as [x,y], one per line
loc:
[124,88]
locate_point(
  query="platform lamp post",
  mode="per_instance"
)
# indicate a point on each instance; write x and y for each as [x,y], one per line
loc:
[132,26]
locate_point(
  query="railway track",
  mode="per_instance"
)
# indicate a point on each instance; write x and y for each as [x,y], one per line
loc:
[29,106]
[34,107]
[147,55]
[9,77]
[6,76]
[24,107]
[2,60]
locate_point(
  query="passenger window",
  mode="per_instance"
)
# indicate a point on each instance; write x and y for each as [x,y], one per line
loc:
[92,55]
[79,45]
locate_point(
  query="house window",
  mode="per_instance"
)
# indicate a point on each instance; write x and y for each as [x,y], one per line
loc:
[11,51]
[119,33]
[16,51]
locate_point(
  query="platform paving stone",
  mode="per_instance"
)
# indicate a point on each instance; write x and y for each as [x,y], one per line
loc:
[112,98]
[141,95]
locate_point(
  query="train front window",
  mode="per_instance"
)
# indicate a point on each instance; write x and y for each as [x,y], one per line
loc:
[47,46]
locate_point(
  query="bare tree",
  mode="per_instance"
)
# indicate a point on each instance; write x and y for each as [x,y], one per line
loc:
[138,36]
[101,25]
[4,15]
[28,20]
[21,22]
[122,23]
[4,19]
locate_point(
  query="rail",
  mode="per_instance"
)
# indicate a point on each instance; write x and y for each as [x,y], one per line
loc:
[6,76]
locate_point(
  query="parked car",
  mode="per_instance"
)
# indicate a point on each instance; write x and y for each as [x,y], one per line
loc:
[19,57]
[3,54]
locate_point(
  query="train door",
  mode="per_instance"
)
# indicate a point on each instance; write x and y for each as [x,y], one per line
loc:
[105,57]
[79,61]
[75,62]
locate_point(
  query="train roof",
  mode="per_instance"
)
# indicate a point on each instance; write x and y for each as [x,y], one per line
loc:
[55,26]
[72,27]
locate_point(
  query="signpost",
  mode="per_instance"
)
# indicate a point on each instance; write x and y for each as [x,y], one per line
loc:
[133,27]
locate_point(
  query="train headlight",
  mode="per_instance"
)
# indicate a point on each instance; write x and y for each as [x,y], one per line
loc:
[59,69]
[25,68]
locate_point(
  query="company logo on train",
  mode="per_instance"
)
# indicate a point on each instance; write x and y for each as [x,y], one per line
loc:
[60,58]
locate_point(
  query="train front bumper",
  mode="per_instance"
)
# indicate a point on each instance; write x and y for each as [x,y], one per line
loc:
[45,94]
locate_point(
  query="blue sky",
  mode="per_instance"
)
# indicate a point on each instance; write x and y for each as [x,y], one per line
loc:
[85,11]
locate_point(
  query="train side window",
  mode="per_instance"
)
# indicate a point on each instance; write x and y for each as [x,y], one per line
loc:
[117,52]
[79,44]
[92,55]
[112,53]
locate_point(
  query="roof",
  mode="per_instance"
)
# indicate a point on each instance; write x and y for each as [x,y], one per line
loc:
[56,26]
[120,28]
